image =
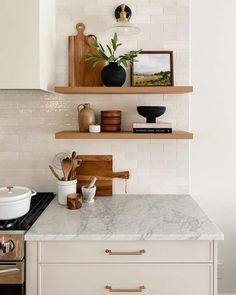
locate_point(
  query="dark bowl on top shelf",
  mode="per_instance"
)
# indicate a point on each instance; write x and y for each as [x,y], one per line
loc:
[151,112]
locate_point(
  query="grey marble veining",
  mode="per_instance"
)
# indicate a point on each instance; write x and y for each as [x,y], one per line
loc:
[127,217]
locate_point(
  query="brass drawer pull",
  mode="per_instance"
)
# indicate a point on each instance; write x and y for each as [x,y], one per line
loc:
[139,289]
[140,252]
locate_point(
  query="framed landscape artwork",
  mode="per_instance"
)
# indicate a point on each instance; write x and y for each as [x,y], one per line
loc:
[153,68]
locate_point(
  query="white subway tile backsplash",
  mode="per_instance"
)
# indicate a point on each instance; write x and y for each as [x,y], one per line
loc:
[5,156]
[183,3]
[182,19]
[148,10]
[164,3]
[29,118]
[176,45]
[163,19]
[172,10]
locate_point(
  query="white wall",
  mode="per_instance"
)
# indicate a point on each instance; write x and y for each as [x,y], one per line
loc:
[213,121]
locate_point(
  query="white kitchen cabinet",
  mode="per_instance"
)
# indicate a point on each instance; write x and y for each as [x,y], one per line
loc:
[163,279]
[85,267]
[155,252]
[27,51]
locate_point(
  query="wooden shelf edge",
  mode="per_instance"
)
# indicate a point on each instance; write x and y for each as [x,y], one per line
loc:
[124,90]
[70,134]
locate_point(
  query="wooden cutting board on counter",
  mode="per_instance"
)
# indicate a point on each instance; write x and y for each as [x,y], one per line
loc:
[100,167]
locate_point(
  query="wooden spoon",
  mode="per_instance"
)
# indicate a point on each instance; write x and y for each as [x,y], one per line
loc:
[66,165]
[73,155]
[54,172]
[76,164]
[71,175]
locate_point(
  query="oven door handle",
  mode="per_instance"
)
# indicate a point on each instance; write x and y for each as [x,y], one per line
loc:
[9,271]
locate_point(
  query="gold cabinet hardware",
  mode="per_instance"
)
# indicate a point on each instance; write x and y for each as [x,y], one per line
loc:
[139,289]
[140,252]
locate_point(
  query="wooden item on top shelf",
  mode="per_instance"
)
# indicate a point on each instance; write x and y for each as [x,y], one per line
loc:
[74,201]
[111,121]
[102,168]
[81,72]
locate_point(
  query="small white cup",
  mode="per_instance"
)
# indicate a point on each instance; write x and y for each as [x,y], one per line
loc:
[65,188]
[94,128]
[88,193]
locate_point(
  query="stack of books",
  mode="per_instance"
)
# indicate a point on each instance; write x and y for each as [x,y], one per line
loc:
[152,127]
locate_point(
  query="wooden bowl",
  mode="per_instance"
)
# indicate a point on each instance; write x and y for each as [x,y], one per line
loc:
[111,121]
[111,128]
[110,114]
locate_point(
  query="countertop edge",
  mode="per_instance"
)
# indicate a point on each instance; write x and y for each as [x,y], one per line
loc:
[62,237]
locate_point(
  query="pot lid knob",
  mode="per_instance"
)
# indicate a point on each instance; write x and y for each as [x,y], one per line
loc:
[9,189]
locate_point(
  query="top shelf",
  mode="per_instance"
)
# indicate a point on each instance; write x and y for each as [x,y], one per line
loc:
[125,90]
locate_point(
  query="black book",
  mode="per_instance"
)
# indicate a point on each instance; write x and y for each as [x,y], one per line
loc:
[152,130]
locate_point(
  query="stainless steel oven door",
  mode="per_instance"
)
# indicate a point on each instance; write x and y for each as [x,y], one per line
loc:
[11,246]
[12,278]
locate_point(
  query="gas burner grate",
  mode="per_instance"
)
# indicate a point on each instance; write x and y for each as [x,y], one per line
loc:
[38,204]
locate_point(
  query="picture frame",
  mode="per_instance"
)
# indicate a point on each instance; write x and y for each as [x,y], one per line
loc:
[153,69]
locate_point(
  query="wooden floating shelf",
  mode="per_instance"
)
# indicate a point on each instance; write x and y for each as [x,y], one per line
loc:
[122,135]
[125,90]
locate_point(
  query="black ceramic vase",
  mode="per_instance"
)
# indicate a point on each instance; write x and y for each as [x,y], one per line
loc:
[113,75]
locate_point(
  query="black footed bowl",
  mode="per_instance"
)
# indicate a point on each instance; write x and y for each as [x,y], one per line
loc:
[151,112]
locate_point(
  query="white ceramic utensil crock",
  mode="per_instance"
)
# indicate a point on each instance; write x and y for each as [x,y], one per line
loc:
[14,201]
[65,188]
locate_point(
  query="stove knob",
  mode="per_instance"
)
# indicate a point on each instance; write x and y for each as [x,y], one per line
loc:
[7,247]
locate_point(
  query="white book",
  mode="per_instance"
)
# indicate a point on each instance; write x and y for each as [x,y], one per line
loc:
[152,125]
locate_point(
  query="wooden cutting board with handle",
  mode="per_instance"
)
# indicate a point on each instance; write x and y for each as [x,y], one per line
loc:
[81,72]
[101,167]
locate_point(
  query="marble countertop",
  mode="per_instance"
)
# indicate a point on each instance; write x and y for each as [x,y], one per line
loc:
[127,217]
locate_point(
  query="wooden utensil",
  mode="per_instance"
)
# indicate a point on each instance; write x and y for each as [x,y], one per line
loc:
[81,72]
[101,168]
[66,166]
[54,172]
[74,166]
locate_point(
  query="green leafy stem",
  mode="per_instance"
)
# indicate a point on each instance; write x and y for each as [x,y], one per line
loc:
[109,54]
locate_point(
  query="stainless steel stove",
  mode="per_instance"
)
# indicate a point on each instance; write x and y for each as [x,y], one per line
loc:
[12,246]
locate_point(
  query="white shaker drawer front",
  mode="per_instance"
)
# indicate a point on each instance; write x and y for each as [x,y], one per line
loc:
[125,252]
[103,279]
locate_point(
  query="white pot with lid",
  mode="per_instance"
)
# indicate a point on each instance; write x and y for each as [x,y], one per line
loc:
[14,201]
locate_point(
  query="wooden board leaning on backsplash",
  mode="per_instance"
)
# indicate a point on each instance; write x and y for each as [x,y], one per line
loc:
[102,168]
